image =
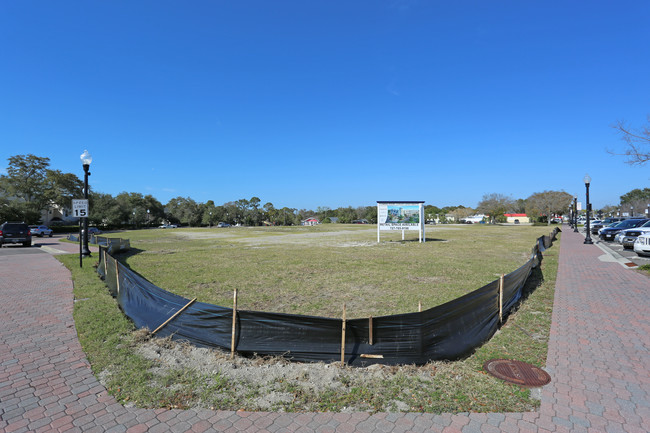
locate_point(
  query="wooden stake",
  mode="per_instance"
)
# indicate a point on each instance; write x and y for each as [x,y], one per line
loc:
[172,318]
[234,324]
[117,275]
[370,330]
[419,306]
[501,282]
[105,263]
[343,338]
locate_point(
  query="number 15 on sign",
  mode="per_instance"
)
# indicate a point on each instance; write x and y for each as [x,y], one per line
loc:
[80,208]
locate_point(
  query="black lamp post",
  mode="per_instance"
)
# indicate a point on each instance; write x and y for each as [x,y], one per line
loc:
[86,159]
[587,181]
[575,214]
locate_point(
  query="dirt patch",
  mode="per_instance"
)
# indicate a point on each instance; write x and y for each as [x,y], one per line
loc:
[269,383]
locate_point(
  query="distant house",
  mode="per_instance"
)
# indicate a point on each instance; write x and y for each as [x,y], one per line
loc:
[310,222]
[515,218]
[57,214]
[474,219]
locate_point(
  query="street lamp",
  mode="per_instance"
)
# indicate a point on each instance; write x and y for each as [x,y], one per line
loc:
[575,214]
[86,159]
[587,181]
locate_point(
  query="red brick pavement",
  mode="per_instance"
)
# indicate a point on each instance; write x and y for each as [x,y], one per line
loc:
[598,359]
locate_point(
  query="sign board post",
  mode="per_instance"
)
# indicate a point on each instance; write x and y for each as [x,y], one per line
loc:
[80,210]
[401,215]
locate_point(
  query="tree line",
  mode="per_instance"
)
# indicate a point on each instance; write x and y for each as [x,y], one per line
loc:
[31,186]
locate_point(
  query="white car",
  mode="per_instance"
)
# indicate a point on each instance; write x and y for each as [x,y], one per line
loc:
[629,235]
[642,245]
[617,238]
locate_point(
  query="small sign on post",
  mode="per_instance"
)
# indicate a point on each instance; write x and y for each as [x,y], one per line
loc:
[80,208]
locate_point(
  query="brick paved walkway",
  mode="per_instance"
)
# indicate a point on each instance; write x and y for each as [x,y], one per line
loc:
[598,359]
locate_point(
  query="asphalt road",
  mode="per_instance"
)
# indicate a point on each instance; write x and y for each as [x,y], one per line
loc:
[617,249]
[628,254]
[43,245]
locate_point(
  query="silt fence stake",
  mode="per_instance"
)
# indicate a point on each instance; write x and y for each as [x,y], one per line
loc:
[105,263]
[501,282]
[117,274]
[343,338]
[174,316]
[234,323]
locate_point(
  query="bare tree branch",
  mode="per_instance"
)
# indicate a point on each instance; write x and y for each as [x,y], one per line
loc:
[638,143]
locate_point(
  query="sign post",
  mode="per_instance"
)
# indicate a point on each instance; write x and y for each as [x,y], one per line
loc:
[80,210]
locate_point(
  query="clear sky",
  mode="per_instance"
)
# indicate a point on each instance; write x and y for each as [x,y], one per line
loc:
[328,103]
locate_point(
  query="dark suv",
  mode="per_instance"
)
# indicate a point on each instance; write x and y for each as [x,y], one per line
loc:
[15,233]
[604,223]
[609,233]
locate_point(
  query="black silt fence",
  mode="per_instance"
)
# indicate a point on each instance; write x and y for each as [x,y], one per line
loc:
[114,245]
[445,332]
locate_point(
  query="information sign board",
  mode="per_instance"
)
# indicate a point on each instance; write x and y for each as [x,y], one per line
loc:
[405,215]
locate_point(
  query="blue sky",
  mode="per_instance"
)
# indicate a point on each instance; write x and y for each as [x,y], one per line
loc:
[328,103]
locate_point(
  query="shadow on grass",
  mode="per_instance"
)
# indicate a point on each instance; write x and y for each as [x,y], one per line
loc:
[124,256]
[416,240]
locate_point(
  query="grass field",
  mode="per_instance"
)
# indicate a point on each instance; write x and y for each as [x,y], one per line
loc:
[314,270]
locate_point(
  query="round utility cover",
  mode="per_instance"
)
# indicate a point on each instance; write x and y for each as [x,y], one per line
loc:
[517,372]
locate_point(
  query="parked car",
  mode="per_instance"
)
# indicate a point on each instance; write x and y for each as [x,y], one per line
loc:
[92,231]
[591,225]
[618,239]
[40,231]
[15,233]
[608,233]
[223,225]
[642,245]
[628,236]
[597,225]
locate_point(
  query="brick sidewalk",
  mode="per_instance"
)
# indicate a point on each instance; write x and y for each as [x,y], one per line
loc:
[598,359]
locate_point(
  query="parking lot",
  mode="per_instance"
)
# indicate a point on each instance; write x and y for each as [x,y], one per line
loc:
[618,251]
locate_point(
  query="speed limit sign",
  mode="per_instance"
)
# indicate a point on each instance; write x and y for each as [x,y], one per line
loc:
[80,208]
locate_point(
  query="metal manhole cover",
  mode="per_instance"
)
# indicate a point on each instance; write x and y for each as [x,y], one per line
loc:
[517,372]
